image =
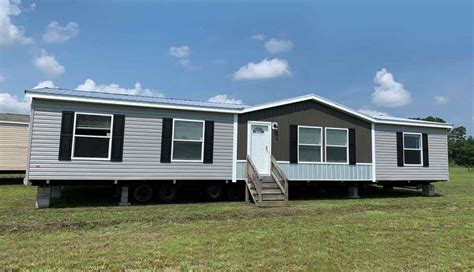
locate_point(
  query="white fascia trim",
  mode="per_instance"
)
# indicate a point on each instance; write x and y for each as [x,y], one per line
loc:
[234,149]
[15,123]
[446,126]
[127,103]
[374,178]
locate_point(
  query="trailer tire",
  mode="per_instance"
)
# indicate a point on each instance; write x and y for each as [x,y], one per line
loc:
[143,193]
[167,193]
[214,192]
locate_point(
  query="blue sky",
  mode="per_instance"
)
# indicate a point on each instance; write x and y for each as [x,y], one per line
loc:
[403,58]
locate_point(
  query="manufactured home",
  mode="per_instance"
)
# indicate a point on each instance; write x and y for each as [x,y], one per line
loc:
[13,142]
[150,146]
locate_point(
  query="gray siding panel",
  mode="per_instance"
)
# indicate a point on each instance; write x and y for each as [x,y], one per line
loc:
[324,172]
[386,154]
[141,151]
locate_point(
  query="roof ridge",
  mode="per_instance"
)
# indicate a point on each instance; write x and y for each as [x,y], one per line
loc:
[142,96]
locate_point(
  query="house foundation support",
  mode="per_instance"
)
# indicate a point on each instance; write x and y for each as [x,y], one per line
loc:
[56,192]
[43,197]
[353,191]
[428,190]
[124,197]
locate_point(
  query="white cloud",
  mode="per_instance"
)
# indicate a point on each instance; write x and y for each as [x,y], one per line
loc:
[388,92]
[182,55]
[56,33]
[45,84]
[373,112]
[441,99]
[258,37]
[223,98]
[9,32]
[265,69]
[90,85]
[11,103]
[48,64]
[275,46]
[180,52]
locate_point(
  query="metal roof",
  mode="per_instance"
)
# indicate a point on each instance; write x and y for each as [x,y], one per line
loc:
[135,98]
[14,118]
[380,117]
[161,102]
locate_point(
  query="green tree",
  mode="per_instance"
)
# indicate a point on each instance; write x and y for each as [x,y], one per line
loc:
[430,118]
[457,134]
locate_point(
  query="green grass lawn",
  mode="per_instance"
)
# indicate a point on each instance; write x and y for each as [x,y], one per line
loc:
[382,231]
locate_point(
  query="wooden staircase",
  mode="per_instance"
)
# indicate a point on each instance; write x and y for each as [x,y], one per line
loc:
[265,191]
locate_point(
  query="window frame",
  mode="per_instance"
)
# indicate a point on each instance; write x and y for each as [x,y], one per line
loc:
[326,145]
[320,145]
[89,136]
[417,149]
[201,141]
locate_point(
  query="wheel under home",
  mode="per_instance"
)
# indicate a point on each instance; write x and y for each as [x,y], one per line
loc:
[143,193]
[167,193]
[214,192]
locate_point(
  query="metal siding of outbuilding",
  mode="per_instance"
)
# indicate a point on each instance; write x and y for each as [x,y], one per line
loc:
[13,146]
[308,113]
[386,154]
[141,151]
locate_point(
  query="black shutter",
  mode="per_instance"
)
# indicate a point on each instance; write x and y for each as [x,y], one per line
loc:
[426,160]
[293,144]
[352,146]
[399,148]
[65,142]
[166,133]
[208,141]
[117,138]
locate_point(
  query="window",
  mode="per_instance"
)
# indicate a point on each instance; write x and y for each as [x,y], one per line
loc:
[188,140]
[337,145]
[92,136]
[412,149]
[309,144]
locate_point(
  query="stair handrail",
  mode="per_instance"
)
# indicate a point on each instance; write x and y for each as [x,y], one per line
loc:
[280,177]
[254,177]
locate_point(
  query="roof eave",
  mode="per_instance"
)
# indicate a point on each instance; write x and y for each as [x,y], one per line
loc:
[313,97]
[127,103]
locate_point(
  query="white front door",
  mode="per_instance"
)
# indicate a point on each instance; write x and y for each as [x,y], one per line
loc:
[259,148]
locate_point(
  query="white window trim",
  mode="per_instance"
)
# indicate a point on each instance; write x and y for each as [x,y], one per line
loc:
[320,145]
[89,136]
[417,149]
[326,145]
[201,141]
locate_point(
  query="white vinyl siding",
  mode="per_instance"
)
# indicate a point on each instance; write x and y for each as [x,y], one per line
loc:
[386,154]
[13,146]
[141,148]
